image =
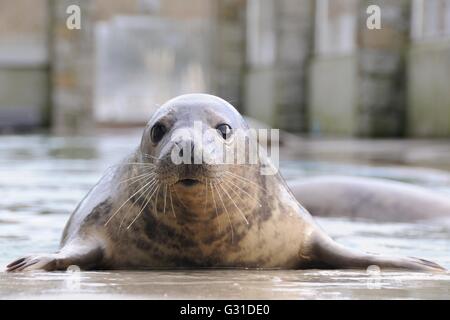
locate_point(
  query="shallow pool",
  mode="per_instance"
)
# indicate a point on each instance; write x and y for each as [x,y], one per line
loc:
[42,178]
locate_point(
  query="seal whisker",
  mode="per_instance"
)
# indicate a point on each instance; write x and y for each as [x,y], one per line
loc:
[240,177]
[171,201]
[145,164]
[138,177]
[147,191]
[231,187]
[206,195]
[240,211]
[137,164]
[248,166]
[244,179]
[165,198]
[228,214]
[155,206]
[122,221]
[149,156]
[181,202]
[144,206]
[249,195]
[114,214]
[215,205]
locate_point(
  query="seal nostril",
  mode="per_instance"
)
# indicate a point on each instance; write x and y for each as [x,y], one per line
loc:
[189,146]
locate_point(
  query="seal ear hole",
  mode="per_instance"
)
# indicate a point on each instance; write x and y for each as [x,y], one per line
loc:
[224,130]
[157,132]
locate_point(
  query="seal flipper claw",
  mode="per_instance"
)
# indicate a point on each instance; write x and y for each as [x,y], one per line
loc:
[85,255]
[428,263]
[38,262]
[15,262]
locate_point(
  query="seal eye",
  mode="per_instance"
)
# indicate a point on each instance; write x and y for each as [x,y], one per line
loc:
[157,132]
[224,130]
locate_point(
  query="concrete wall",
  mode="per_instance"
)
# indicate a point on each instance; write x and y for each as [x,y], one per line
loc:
[260,73]
[228,50]
[23,97]
[279,46]
[23,63]
[101,76]
[333,70]
[260,57]
[381,69]
[429,89]
[333,95]
[72,68]
[363,91]
[294,34]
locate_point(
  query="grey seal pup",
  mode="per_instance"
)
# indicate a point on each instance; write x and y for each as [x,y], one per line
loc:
[150,212]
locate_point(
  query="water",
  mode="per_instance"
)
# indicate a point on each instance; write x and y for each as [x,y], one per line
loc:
[42,178]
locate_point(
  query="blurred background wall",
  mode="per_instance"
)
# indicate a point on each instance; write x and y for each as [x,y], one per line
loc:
[24,63]
[306,66]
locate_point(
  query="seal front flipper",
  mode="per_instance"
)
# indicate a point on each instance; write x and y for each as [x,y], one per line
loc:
[84,254]
[329,254]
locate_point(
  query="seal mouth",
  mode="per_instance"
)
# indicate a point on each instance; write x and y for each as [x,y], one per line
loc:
[188,182]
